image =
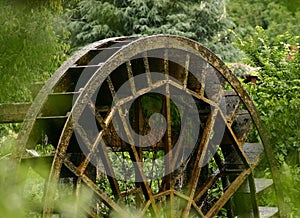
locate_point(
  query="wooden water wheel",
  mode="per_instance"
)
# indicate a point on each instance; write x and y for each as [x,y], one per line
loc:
[149,127]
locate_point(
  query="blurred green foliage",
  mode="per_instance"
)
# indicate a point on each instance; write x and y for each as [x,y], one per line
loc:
[11,202]
[276,17]
[29,47]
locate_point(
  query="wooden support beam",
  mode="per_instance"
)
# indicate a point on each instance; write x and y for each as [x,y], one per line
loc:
[16,112]
[13,112]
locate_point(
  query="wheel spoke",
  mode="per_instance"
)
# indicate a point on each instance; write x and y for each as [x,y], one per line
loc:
[111,87]
[186,71]
[233,102]
[130,77]
[180,145]
[210,181]
[103,156]
[94,187]
[228,193]
[253,196]
[55,169]
[236,143]
[135,155]
[147,69]
[198,209]
[97,115]
[138,164]
[200,158]
[168,137]
[202,82]
[139,127]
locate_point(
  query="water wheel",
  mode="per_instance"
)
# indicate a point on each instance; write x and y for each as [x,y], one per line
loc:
[147,126]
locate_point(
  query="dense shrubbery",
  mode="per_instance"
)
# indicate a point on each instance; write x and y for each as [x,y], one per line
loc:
[277,98]
[277,93]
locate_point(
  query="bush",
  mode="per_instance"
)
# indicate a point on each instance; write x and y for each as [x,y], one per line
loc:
[277,93]
[277,98]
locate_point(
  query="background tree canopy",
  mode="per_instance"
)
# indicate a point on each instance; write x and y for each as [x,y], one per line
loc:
[276,17]
[204,21]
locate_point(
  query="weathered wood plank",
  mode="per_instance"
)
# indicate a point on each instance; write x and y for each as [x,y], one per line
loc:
[268,212]
[13,112]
